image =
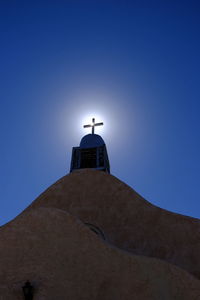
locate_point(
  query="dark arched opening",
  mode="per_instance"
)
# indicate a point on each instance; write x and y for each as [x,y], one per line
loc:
[96,230]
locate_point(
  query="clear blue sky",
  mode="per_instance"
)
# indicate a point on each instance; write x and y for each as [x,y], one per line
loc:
[136,64]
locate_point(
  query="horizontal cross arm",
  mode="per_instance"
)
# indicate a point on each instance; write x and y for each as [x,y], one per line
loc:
[86,126]
[99,124]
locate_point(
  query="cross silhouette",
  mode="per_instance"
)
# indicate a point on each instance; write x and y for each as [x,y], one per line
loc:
[93,125]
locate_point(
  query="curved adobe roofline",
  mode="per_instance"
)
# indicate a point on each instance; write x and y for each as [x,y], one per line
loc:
[91,141]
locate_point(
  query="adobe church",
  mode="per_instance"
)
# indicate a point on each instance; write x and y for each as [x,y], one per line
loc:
[89,236]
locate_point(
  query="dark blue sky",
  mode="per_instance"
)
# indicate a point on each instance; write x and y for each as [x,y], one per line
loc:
[135,64]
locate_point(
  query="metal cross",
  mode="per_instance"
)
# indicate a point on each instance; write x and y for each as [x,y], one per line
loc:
[93,125]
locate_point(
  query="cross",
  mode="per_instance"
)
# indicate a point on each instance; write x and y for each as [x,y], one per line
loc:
[93,125]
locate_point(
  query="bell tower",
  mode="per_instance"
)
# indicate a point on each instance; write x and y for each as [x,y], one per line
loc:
[91,153]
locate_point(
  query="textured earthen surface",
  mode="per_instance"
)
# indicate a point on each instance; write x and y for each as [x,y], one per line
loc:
[50,245]
[127,220]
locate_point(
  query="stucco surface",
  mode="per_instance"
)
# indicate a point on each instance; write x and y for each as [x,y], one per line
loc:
[127,220]
[64,259]
[148,254]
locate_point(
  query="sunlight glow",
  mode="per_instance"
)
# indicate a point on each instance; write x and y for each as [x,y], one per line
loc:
[87,120]
[115,131]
